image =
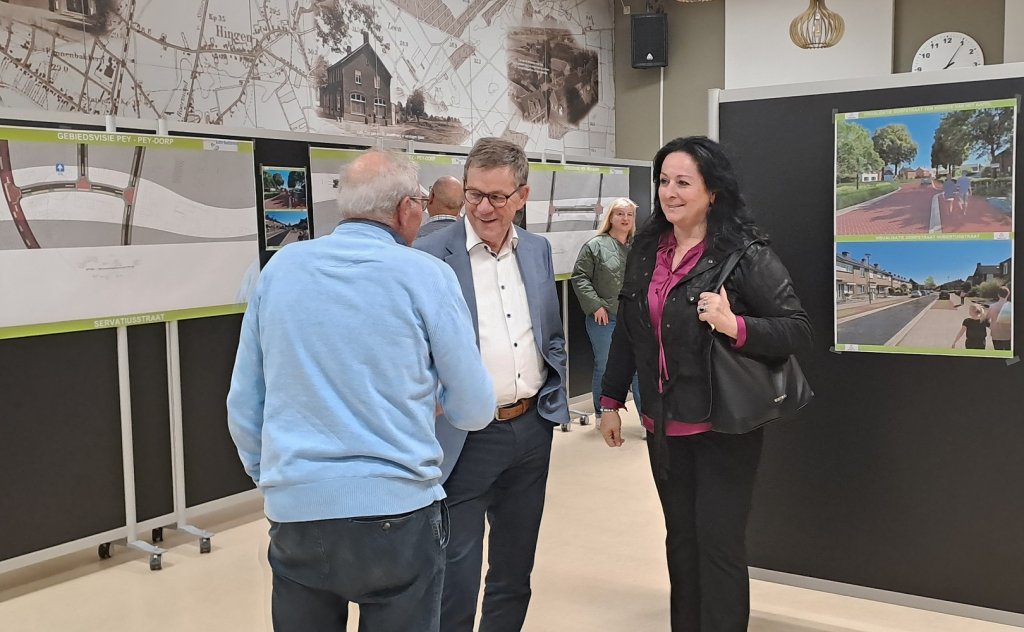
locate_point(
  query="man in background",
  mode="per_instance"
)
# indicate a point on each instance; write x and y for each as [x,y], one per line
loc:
[349,344]
[443,205]
[500,472]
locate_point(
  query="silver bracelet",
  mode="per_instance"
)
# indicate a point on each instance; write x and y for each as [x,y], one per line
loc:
[609,410]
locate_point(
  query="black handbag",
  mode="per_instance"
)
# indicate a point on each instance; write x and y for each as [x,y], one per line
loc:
[748,392]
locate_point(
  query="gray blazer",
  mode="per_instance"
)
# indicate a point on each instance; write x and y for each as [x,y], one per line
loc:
[533,254]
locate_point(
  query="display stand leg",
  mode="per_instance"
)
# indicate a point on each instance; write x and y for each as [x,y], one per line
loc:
[177,442]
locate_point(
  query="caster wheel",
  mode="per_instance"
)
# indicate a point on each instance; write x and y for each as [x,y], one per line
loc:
[154,562]
[584,420]
[565,427]
[158,535]
[204,545]
[104,551]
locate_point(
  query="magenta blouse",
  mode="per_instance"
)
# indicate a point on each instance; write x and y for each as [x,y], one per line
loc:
[663,280]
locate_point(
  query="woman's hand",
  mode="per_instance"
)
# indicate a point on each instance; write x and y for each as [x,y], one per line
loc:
[611,428]
[601,316]
[714,309]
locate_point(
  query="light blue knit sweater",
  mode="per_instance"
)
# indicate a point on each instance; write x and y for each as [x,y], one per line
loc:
[343,346]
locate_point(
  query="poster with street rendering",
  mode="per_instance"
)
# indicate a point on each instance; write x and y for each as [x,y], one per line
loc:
[326,163]
[105,229]
[567,203]
[538,72]
[924,229]
[285,209]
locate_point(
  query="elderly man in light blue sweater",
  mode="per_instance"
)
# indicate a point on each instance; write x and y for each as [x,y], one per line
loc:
[349,344]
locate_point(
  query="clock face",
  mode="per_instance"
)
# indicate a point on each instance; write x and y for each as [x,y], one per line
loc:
[948,50]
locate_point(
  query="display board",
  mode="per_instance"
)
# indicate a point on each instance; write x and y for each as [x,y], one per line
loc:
[106,229]
[567,203]
[285,206]
[903,473]
[924,224]
[326,163]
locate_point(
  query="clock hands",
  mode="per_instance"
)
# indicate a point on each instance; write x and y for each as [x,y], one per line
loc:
[954,55]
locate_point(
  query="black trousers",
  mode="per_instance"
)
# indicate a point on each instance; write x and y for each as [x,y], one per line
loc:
[392,566]
[706,501]
[502,475]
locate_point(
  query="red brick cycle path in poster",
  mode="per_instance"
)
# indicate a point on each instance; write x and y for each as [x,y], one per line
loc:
[908,211]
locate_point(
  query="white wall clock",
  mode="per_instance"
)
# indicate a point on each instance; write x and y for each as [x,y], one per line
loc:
[948,50]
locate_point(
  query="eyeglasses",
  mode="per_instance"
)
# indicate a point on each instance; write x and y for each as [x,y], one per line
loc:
[422,200]
[497,200]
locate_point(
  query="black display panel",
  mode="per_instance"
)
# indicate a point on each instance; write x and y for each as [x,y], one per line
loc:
[207,351]
[905,473]
[60,452]
[151,424]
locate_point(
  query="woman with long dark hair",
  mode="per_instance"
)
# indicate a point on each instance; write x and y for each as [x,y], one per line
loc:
[669,310]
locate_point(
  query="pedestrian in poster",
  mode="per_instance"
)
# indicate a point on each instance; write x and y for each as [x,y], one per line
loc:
[963,187]
[975,326]
[999,317]
[949,193]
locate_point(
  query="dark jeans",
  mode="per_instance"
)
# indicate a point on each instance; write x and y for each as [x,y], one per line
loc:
[502,475]
[706,501]
[392,566]
[601,341]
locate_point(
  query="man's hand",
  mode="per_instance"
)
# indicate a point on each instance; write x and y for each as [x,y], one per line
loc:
[601,316]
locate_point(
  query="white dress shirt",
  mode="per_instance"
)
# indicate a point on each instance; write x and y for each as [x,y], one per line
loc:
[507,345]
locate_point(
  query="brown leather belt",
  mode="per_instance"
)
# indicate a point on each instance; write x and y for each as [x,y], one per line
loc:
[514,410]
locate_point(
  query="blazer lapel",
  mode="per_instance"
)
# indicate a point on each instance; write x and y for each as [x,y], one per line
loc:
[458,259]
[532,270]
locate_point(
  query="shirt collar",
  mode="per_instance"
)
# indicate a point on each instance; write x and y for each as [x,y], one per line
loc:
[372,222]
[441,218]
[473,240]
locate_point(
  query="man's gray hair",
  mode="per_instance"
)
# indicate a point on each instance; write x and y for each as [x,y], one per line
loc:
[491,153]
[372,185]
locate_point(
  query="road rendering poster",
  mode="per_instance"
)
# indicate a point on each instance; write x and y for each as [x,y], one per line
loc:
[567,204]
[106,229]
[924,229]
[285,209]
[326,163]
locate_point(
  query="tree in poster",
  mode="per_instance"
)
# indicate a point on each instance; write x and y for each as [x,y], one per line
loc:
[894,144]
[335,18]
[415,107]
[990,130]
[855,153]
[949,150]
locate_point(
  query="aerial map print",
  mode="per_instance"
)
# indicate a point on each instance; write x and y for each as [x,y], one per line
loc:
[441,71]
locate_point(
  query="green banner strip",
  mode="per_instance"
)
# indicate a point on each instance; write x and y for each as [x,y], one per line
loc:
[560,168]
[23,331]
[938,351]
[563,277]
[347,155]
[928,237]
[929,109]
[34,135]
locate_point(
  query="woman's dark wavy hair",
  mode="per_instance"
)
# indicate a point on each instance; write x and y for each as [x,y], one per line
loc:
[730,223]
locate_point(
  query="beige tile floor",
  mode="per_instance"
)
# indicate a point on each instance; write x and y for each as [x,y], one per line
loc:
[600,568]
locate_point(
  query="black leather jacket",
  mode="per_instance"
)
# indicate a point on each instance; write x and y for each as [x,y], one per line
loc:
[759,289]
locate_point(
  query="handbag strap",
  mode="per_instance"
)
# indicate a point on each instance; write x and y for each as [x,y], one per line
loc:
[731,263]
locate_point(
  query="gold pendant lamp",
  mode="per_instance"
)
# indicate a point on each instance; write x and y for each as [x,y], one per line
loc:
[817,27]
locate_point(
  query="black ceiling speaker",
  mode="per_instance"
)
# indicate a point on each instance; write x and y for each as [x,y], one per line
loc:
[650,40]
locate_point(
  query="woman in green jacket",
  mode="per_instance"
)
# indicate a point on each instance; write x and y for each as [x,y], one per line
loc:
[597,279]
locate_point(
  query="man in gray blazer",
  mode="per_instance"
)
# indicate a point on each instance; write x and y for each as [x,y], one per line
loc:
[500,473]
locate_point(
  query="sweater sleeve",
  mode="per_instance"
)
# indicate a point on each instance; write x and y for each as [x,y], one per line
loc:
[247,395]
[466,393]
[583,280]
